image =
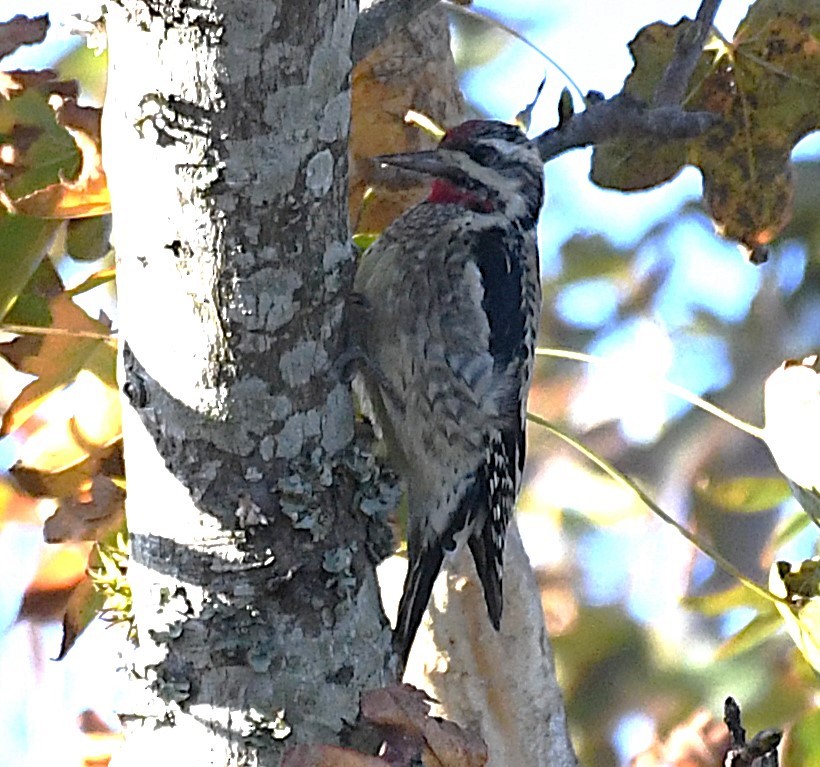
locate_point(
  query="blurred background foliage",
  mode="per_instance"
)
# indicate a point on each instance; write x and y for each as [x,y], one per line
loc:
[648,632]
[650,636]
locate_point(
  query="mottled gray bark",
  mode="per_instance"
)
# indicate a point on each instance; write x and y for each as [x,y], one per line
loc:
[225,140]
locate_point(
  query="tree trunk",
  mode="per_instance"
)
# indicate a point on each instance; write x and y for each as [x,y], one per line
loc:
[225,144]
[257,607]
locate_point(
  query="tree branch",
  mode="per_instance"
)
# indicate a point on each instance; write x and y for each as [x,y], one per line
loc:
[383,17]
[623,116]
[618,117]
[688,48]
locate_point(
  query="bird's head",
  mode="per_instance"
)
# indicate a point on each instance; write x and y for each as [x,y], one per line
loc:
[484,165]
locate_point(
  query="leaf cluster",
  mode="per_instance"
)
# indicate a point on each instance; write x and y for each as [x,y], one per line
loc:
[65,415]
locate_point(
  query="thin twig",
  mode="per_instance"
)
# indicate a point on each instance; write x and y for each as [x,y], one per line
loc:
[376,23]
[34,330]
[689,46]
[629,483]
[498,24]
[674,389]
[731,717]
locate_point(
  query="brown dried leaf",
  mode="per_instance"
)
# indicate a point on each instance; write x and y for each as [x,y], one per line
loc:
[21,30]
[8,85]
[68,480]
[55,360]
[15,506]
[89,517]
[40,353]
[764,85]
[67,439]
[329,756]
[397,706]
[43,80]
[402,713]
[100,742]
[61,567]
[85,119]
[59,570]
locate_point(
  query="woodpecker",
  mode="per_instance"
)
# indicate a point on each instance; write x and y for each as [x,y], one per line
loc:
[443,321]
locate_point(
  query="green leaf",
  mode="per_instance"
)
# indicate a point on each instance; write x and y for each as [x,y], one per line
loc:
[84,604]
[723,601]
[51,156]
[87,238]
[745,494]
[25,241]
[592,256]
[363,240]
[88,65]
[29,309]
[803,744]
[757,630]
[33,303]
[103,363]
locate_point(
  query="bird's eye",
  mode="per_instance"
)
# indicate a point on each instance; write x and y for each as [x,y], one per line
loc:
[485,154]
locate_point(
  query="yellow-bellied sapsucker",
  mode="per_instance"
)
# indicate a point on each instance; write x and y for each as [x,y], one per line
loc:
[443,322]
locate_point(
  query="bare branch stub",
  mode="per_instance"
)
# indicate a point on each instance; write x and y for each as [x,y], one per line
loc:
[760,751]
[731,715]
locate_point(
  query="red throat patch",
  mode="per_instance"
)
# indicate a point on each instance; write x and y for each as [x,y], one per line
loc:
[445,191]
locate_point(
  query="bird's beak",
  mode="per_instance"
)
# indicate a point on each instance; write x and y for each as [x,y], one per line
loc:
[429,162]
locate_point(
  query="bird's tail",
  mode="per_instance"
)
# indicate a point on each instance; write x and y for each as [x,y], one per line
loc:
[418,585]
[488,564]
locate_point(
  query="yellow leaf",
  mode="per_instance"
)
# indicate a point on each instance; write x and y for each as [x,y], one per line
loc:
[55,359]
[801,587]
[765,86]
[745,494]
